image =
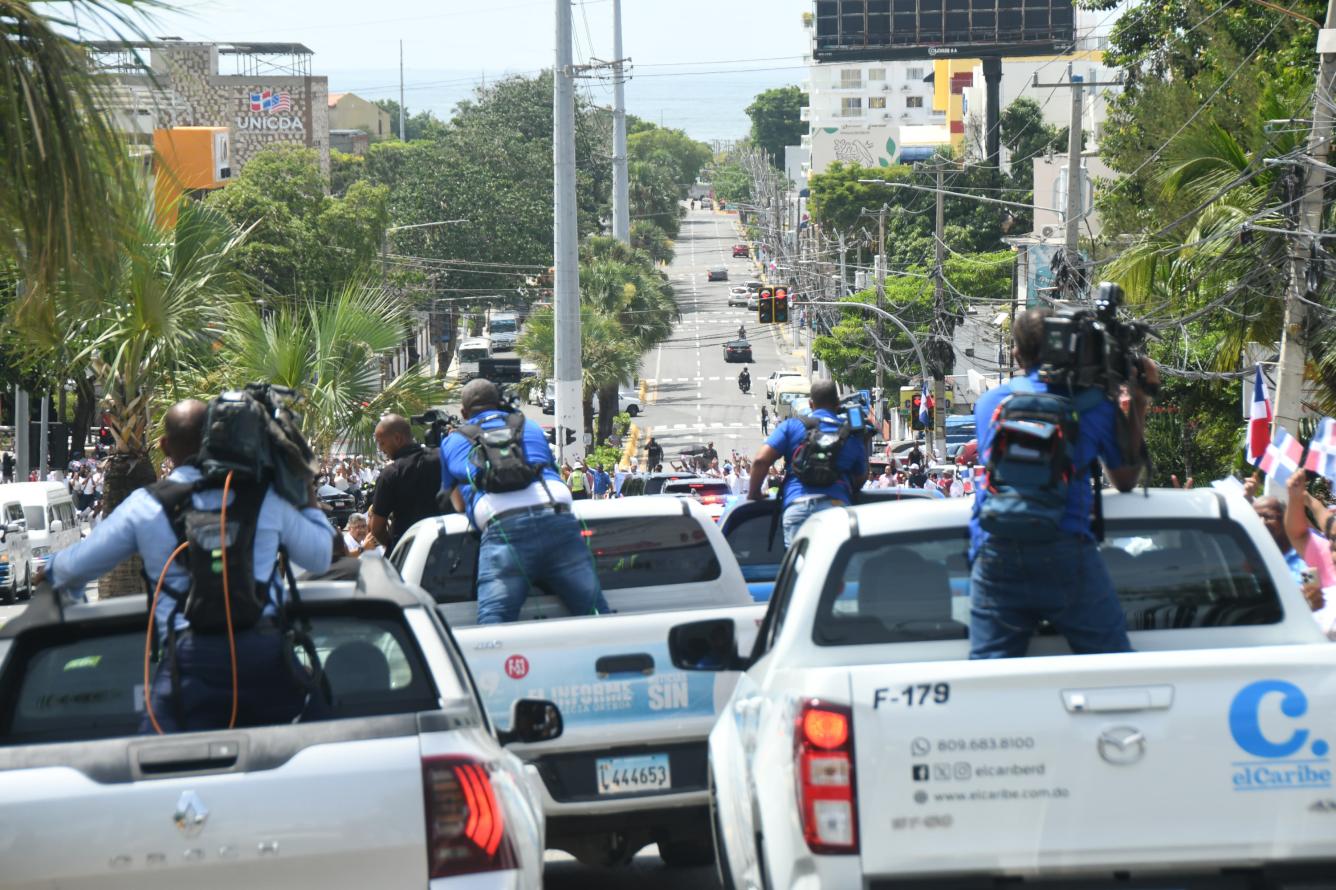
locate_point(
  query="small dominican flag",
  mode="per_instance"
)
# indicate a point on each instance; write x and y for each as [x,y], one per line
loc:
[1283,456]
[1259,420]
[1322,450]
[923,405]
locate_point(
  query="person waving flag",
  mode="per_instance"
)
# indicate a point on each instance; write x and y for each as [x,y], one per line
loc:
[1259,420]
[1322,450]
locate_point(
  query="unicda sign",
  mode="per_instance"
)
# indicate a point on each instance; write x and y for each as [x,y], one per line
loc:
[1286,755]
[268,109]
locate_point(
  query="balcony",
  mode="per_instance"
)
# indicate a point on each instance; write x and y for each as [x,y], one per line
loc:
[805,113]
[848,85]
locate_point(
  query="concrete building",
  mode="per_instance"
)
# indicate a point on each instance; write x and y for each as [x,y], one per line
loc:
[263,92]
[350,142]
[349,111]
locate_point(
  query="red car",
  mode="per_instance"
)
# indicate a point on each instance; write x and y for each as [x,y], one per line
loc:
[741,250]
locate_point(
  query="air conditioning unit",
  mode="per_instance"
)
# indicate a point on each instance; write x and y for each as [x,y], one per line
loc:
[886,86]
[904,87]
[1048,231]
[904,115]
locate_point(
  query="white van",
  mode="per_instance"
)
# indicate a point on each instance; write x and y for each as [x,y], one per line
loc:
[503,329]
[472,351]
[787,390]
[48,510]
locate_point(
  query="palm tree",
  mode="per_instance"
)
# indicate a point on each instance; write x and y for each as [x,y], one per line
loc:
[61,165]
[607,356]
[139,326]
[329,351]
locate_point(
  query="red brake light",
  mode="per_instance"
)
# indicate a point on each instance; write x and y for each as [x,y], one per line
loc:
[466,829]
[827,796]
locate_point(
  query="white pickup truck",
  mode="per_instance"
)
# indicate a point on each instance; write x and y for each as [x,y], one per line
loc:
[630,767]
[861,747]
[406,785]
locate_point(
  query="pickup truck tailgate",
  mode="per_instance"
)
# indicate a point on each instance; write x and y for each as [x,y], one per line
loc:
[347,814]
[1096,763]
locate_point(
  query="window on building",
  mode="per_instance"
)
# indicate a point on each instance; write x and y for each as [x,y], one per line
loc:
[876,102]
[851,78]
[876,74]
[914,74]
[851,106]
[913,101]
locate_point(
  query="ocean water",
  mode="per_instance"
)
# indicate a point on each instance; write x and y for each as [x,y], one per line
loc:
[708,106]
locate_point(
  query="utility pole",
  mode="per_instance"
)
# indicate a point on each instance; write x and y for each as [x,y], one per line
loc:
[881,304]
[1073,214]
[403,112]
[1293,341]
[621,177]
[939,348]
[565,238]
[22,434]
[43,446]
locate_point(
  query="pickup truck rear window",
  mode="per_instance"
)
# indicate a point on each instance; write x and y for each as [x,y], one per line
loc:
[61,686]
[1173,574]
[632,551]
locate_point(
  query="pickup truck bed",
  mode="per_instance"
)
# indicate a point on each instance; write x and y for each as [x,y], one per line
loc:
[87,801]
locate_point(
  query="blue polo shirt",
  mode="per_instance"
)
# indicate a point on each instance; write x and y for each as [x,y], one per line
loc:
[1097,437]
[852,460]
[455,469]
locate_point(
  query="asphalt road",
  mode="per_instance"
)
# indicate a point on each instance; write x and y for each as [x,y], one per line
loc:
[693,396]
[8,612]
[646,872]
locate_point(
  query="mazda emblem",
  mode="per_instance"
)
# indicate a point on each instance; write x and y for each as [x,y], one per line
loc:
[1121,745]
[191,814]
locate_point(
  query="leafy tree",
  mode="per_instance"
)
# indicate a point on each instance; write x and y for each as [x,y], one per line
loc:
[423,125]
[731,183]
[648,237]
[1027,136]
[680,156]
[607,357]
[300,239]
[776,120]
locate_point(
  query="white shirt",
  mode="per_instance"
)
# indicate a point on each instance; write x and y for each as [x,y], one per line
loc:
[341,482]
[1326,616]
[537,494]
[957,488]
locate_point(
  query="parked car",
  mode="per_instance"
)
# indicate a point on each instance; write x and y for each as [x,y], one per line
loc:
[717,273]
[773,378]
[860,712]
[741,250]
[405,784]
[753,301]
[341,504]
[755,286]
[737,351]
[628,400]
[737,296]
[630,767]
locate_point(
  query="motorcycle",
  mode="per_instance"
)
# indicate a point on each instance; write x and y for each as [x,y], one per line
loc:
[744,384]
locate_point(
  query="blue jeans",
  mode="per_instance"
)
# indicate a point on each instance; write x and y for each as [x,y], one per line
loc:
[267,692]
[796,513]
[1013,586]
[528,550]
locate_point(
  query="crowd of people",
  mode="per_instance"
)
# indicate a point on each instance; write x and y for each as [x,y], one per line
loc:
[1302,527]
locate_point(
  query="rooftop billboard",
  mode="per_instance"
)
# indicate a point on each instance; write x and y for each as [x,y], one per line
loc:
[854,30]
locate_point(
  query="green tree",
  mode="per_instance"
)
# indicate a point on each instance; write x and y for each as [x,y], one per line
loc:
[300,239]
[607,357]
[776,120]
[648,237]
[139,328]
[680,156]
[731,183]
[329,351]
[423,125]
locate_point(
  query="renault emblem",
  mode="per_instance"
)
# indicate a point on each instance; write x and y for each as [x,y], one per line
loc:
[1121,745]
[191,813]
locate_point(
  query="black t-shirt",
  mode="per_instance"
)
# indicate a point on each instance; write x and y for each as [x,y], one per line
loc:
[406,490]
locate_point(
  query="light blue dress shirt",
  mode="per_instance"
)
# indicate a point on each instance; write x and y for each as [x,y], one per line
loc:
[140,525]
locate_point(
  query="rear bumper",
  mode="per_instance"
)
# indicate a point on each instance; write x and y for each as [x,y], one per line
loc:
[1314,875]
[487,880]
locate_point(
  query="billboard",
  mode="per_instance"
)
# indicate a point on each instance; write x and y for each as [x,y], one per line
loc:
[877,146]
[852,30]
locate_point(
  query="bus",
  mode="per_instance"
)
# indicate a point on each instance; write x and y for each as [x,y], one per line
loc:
[471,352]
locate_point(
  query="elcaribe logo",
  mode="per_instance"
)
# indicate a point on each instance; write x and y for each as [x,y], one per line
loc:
[1290,759]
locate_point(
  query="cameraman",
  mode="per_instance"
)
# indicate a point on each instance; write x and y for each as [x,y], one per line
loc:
[406,489]
[1016,583]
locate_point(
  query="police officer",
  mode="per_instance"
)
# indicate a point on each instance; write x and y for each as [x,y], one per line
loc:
[406,489]
[267,688]
[529,537]
[802,500]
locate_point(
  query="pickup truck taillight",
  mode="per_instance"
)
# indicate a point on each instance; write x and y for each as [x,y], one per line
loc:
[824,758]
[466,830]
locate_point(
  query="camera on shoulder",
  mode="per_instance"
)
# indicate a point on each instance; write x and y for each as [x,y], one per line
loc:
[439,425]
[1091,347]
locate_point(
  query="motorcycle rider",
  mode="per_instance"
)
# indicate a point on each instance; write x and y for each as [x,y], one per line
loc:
[744,380]
[742,332]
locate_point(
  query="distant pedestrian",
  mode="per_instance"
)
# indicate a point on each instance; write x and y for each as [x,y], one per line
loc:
[654,453]
[765,421]
[7,465]
[602,483]
[578,482]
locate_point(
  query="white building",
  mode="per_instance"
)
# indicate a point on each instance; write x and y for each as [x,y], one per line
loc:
[869,93]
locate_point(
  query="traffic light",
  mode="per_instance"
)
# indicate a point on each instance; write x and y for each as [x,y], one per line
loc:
[766,308]
[781,305]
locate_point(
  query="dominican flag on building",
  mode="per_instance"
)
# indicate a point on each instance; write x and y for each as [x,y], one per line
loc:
[1322,450]
[1283,456]
[923,405]
[270,101]
[1259,420]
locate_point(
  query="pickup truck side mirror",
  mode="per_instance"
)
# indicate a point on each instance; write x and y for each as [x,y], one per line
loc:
[532,720]
[706,646]
[13,528]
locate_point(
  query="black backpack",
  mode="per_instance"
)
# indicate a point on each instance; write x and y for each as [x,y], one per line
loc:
[497,462]
[814,460]
[204,604]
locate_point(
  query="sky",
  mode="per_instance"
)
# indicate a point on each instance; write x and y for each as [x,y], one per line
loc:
[695,63]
